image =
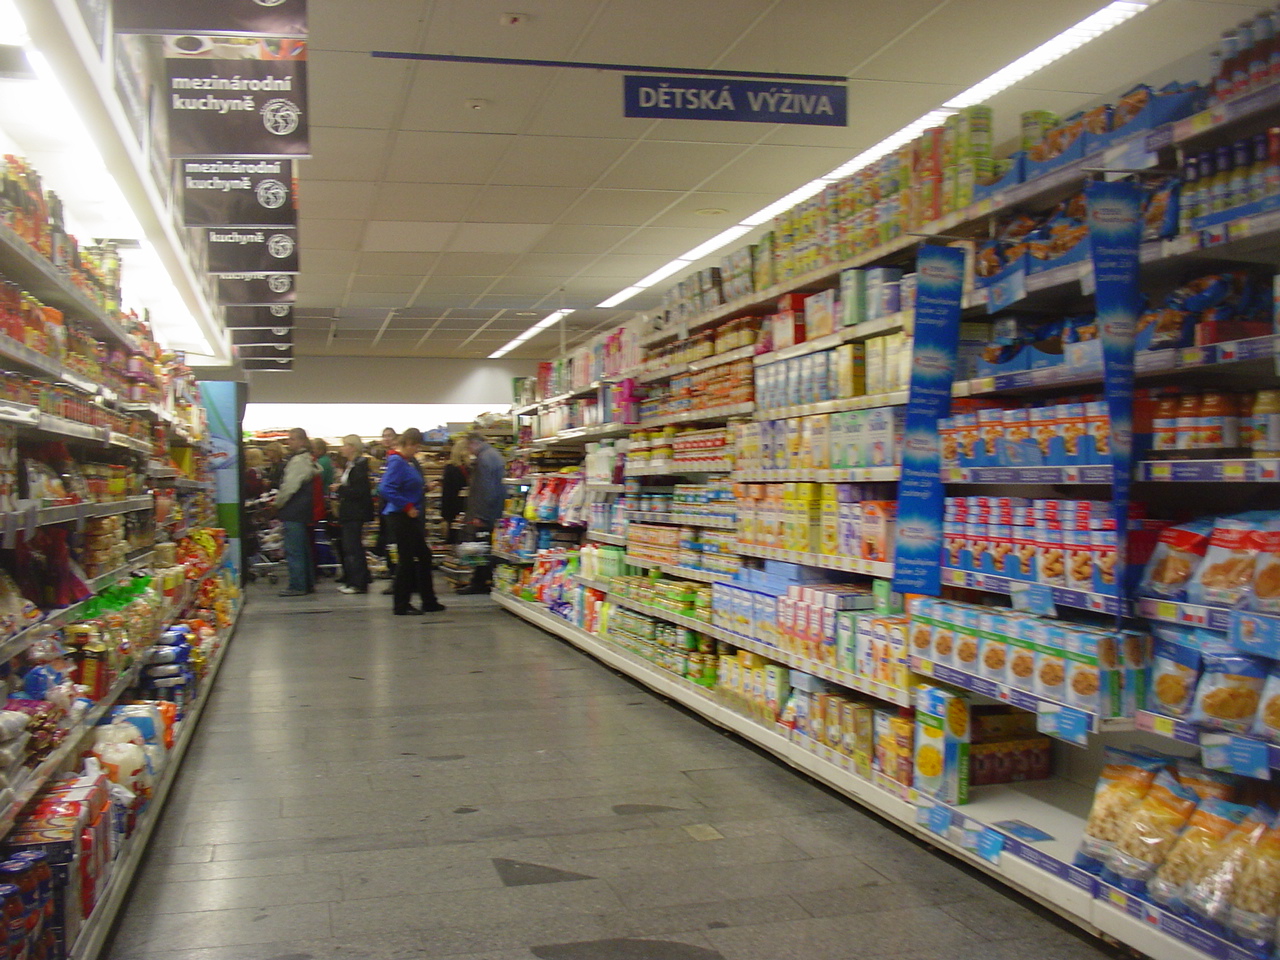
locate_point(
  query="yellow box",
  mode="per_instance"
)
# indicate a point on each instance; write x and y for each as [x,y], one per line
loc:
[819,441]
[851,370]
[830,542]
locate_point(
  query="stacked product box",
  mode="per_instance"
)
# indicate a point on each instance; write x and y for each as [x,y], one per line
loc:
[704,448]
[835,441]
[712,500]
[724,385]
[737,273]
[712,551]
[1094,669]
[1076,433]
[1061,543]
[657,544]
[831,519]
[834,374]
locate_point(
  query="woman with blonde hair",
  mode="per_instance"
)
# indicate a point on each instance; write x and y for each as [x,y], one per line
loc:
[355,509]
[452,483]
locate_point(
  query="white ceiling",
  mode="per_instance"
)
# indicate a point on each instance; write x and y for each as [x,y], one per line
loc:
[431,229]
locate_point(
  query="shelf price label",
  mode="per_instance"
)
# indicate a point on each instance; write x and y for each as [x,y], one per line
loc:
[939,819]
[990,845]
[1240,755]
[1064,723]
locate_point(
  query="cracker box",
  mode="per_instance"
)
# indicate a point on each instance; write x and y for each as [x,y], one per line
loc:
[968,638]
[942,744]
[875,365]
[863,748]
[865,646]
[846,640]
[1051,666]
[819,314]
[850,370]
[879,525]
[943,638]
[993,649]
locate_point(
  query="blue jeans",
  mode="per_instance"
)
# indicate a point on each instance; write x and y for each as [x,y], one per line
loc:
[297,554]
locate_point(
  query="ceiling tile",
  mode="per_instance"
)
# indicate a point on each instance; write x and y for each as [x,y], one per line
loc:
[319,234]
[620,207]
[522,204]
[338,199]
[581,238]
[378,301]
[326,264]
[685,214]
[442,292]
[397,264]
[597,108]
[349,89]
[445,157]
[546,265]
[340,152]
[439,93]
[423,201]
[557,161]
[472,264]
[776,170]
[651,165]
[381,25]
[384,284]
[496,237]
[407,236]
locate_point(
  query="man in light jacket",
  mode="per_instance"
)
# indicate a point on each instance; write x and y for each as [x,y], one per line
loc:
[486,496]
[295,506]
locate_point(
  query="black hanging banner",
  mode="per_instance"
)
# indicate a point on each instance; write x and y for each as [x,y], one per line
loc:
[256,336]
[259,318]
[276,288]
[239,250]
[237,108]
[278,351]
[217,192]
[257,18]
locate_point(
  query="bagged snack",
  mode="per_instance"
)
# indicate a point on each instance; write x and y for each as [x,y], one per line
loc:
[1206,783]
[1150,830]
[1267,722]
[1208,892]
[1174,671]
[1226,572]
[1229,690]
[1265,593]
[1211,823]
[1124,781]
[1255,898]
[1177,554]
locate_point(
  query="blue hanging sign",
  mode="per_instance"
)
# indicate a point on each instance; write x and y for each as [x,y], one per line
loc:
[918,559]
[738,101]
[1115,231]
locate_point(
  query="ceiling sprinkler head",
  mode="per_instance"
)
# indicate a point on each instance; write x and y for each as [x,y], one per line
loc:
[475,104]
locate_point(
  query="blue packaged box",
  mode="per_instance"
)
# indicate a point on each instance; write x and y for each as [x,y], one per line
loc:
[1014,176]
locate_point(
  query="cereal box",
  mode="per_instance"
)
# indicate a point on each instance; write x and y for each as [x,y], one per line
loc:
[942,744]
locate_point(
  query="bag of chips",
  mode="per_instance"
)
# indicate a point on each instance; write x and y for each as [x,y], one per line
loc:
[1255,898]
[1177,554]
[1206,783]
[1266,723]
[1226,574]
[1211,823]
[1150,830]
[1229,691]
[1174,671]
[1125,779]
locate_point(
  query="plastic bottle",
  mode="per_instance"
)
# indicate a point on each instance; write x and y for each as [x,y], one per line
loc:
[1188,421]
[1241,173]
[1229,48]
[1258,170]
[1264,38]
[1221,189]
[1266,424]
[1190,188]
[1240,71]
[1164,423]
[1206,168]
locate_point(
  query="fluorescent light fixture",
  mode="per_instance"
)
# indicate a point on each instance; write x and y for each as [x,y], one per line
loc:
[1052,50]
[1112,15]
[622,296]
[549,320]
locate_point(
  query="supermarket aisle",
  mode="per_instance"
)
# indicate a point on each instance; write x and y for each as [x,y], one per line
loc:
[376,787]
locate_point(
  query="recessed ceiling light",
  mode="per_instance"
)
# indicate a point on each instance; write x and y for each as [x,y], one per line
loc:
[711,211]
[526,313]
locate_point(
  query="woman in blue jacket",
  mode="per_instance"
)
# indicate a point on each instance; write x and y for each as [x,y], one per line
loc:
[402,489]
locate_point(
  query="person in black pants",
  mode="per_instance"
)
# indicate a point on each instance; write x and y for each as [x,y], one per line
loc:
[452,483]
[403,490]
[355,509]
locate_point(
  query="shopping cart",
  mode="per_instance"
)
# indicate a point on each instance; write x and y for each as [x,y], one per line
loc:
[264,541]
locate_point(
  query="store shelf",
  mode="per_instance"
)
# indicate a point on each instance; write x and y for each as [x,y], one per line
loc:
[1191,735]
[37,276]
[141,559]
[606,487]
[576,435]
[695,416]
[845,475]
[871,568]
[850,681]
[1041,870]
[1218,358]
[1189,614]
[160,471]
[602,585]
[683,520]
[1215,118]
[183,483]
[1031,475]
[660,468]
[863,331]
[871,401]
[1209,471]
[128,442]
[98,925]
[512,558]
[691,623]
[612,538]
[47,516]
[1012,696]
[691,573]
[1078,599]
[696,366]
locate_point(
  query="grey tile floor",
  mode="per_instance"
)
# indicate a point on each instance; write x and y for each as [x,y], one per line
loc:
[465,786]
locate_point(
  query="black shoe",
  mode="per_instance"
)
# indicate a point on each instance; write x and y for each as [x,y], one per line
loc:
[408,612]
[467,591]
[433,607]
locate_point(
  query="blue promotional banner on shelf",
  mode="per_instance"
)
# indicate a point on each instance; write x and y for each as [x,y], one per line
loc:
[740,101]
[1115,231]
[918,559]
[224,404]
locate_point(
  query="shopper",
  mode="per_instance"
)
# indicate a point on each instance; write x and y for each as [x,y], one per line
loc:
[355,509]
[275,454]
[452,482]
[255,468]
[486,495]
[295,506]
[320,450]
[403,490]
[390,439]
